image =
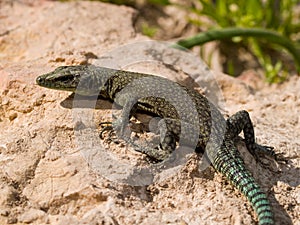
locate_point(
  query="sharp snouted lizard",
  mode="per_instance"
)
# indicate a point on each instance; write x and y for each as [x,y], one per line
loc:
[157,95]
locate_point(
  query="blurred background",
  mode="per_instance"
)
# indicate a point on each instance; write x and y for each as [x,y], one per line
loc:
[272,57]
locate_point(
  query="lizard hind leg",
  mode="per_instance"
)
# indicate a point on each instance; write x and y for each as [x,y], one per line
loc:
[241,121]
[166,146]
[156,152]
[172,133]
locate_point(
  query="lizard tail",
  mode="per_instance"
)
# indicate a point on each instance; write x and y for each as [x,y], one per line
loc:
[239,176]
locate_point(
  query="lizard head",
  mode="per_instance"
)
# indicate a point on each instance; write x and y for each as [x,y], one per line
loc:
[81,79]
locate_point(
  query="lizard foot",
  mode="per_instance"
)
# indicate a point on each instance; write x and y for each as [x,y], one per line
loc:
[260,150]
[107,127]
[156,154]
[118,125]
[265,150]
[279,157]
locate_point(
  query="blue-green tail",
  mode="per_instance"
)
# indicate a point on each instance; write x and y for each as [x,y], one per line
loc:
[234,170]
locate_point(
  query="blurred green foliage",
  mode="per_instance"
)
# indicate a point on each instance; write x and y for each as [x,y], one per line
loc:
[134,2]
[148,30]
[274,15]
[278,16]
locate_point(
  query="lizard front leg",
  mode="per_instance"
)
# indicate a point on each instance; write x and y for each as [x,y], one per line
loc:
[120,123]
[121,119]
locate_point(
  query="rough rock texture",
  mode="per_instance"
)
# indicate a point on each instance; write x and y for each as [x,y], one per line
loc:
[46,180]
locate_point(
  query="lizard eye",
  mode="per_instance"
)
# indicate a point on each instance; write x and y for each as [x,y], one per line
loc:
[65,78]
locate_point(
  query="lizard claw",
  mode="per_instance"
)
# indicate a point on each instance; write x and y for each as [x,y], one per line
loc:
[258,150]
[266,150]
[105,128]
[280,158]
[111,132]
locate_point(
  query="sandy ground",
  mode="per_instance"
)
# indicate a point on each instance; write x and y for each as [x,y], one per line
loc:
[48,176]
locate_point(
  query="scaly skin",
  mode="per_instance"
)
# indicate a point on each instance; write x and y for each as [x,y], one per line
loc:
[187,117]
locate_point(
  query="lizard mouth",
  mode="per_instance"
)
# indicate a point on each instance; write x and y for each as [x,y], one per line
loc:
[41,81]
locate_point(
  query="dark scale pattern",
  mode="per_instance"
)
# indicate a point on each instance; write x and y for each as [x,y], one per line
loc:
[188,118]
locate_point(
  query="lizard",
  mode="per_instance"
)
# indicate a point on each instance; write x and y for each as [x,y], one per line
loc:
[214,134]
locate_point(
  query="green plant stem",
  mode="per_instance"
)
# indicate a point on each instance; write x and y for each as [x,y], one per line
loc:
[226,33]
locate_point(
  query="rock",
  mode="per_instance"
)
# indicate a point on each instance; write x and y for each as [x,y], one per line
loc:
[45,175]
[31,216]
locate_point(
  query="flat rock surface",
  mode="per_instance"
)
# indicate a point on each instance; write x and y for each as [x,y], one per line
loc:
[49,177]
